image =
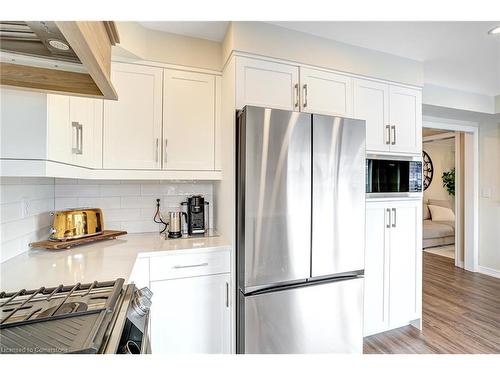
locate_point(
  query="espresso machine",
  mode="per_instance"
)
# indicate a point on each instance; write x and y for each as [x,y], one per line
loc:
[197,214]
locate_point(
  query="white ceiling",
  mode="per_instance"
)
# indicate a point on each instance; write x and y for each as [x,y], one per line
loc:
[458,55]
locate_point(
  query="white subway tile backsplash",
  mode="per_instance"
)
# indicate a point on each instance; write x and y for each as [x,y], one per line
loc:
[99,202]
[128,205]
[120,190]
[25,206]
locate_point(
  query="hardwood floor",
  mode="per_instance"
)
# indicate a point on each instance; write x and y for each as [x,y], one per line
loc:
[461,314]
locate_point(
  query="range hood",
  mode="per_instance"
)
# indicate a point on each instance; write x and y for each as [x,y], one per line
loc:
[70,57]
[38,39]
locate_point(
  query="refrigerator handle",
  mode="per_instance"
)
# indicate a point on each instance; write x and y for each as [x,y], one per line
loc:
[388,218]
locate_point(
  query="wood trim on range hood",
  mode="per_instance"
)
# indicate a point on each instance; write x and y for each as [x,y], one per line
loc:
[91,41]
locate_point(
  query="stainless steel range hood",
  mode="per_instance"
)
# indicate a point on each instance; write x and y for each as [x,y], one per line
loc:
[36,38]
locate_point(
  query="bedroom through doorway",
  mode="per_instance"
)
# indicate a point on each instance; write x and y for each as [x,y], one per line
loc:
[443,204]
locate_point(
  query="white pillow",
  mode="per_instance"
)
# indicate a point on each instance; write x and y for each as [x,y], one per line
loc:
[439,213]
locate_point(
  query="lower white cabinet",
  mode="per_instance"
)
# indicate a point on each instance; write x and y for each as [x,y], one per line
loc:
[191,315]
[393,264]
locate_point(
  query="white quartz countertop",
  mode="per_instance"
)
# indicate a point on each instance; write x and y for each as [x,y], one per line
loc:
[102,261]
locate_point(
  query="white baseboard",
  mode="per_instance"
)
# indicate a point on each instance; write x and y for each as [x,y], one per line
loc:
[459,263]
[489,271]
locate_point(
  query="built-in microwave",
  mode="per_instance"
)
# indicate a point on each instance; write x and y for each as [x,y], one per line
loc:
[393,177]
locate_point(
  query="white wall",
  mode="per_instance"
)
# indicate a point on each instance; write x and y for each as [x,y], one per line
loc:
[442,154]
[128,205]
[489,184]
[25,204]
[138,42]
[456,99]
[270,40]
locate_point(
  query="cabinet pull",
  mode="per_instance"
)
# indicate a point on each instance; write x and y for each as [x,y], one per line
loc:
[393,128]
[80,129]
[191,265]
[157,150]
[296,90]
[305,95]
[77,127]
[394,216]
[388,217]
[387,134]
[227,294]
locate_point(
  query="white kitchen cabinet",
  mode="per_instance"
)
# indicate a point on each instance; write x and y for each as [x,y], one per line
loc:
[371,103]
[133,123]
[58,128]
[405,119]
[191,315]
[266,84]
[405,262]
[85,122]
[376,309]
[393,116]
[188,120]
[325,92]
[393,264]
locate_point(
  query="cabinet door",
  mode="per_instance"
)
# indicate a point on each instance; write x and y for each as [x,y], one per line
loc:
[191,315]
[81,116]
[405,262]
[376,314]
[62,141]
[188,120]
[371,103]
[266,84]
[406,120]
[132,124]
[325,93]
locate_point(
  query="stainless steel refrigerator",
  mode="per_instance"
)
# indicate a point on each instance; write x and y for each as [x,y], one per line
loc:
[300,232]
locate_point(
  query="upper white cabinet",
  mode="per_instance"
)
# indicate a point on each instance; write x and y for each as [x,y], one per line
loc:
[266,84]
[393,116]
[188,120]
[58,128]
[133,123]
[405,119]
[371,103]
[325,92]
[393,264]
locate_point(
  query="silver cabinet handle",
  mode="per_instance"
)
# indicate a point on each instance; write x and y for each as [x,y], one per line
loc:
[394,216]
[191,265]
[296,90]
[77,127]
[305,95]
[157,149]
[227,294]
[80,128]
[388,218]
[393,128]
[387,134]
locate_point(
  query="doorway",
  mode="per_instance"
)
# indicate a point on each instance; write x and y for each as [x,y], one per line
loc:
[462,138]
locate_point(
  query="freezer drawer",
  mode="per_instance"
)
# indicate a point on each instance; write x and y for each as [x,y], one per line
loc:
[319,318]
[338,195]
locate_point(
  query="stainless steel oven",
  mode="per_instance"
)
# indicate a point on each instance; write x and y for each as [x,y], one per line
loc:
[393,177]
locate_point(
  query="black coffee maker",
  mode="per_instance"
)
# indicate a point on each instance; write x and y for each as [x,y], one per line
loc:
[197,214]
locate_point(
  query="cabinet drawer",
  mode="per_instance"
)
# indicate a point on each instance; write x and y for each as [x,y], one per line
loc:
[188,265]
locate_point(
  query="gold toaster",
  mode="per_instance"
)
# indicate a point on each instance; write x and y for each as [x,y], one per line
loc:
[76,223]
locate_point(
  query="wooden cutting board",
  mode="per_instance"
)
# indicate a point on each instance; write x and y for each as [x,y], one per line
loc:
[58,245]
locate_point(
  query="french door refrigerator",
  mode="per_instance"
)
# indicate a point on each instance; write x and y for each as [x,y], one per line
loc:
[300,232]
